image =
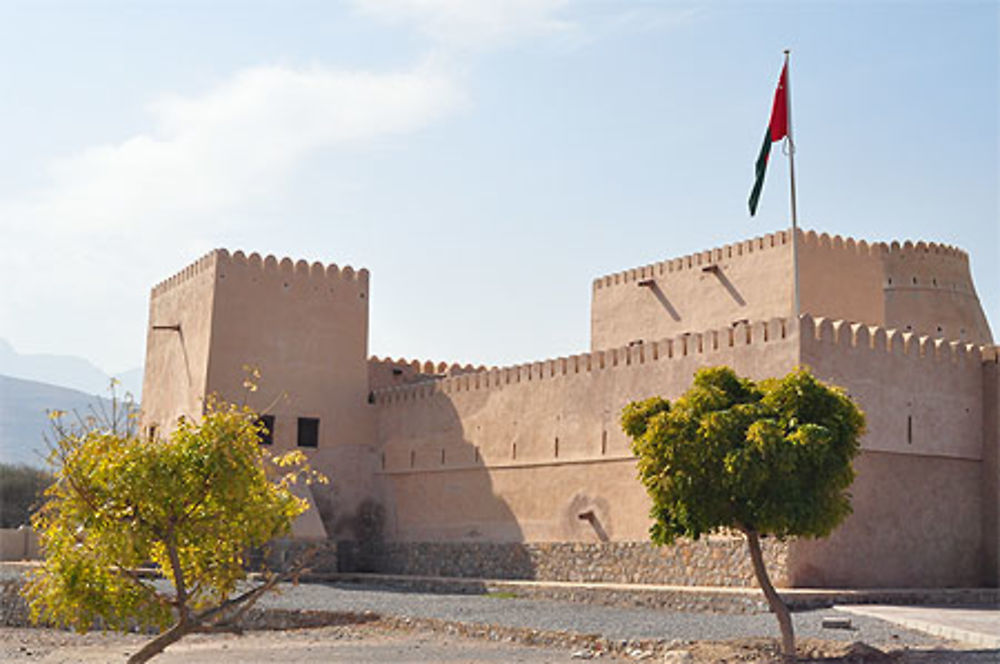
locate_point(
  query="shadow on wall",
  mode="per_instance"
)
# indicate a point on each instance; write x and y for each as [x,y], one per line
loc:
[439,514]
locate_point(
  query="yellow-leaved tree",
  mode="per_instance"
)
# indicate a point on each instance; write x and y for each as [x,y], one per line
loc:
[194,504]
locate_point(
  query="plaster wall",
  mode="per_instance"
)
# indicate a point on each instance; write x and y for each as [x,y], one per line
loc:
[916,524]
[176,369]
[922,457]
[929,291]
[922,288]
[520,453]
[305,326]
[748,280]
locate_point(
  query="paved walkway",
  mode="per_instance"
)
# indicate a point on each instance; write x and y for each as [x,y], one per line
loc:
[975,626]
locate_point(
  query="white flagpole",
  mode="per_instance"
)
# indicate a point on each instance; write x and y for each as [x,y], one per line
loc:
[791,173]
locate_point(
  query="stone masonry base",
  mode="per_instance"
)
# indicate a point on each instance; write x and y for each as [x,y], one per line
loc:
[711,561]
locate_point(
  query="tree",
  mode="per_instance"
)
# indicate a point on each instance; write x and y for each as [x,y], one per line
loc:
[21,489]
[769,458]
[194,505]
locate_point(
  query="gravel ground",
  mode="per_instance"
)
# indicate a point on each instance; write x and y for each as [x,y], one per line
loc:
[609,622]
[357,645]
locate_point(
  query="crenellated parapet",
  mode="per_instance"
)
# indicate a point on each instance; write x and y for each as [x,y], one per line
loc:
[299,271]
[876,339]
[387,371]
[695,345]
[200,266]
[265,266]
[696,261]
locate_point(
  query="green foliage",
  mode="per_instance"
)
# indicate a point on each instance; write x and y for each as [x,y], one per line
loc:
[21,489]
[772,457]
[193,505]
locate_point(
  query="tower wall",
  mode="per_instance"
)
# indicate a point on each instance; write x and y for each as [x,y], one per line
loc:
[178,336]
[922,288]
[305,326]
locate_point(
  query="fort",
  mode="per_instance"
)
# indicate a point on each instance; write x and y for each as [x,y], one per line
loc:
[524,472]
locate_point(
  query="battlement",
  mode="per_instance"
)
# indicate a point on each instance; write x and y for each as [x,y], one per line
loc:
[201,265]
[857,336]
[268,265]
[694,261]
[682,346]
[826,241]
[808,239]
[846,334]
[386,372]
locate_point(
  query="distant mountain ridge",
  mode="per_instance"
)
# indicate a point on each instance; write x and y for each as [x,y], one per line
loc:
[75,373]
[24,421]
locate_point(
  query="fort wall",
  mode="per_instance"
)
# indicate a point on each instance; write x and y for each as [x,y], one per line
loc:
[924,288]
[519,453]
[747,280]
[922,457]
[178,336]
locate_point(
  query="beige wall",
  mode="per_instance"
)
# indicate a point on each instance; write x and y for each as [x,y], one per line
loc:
[176,367]
[480,488]
[916,523]
[919,494]
[306,327]
[923,288]
[929,290]
[751,282]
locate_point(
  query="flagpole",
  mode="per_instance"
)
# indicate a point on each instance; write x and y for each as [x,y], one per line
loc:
[791,174]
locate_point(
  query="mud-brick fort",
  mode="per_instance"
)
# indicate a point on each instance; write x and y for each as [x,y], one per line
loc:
[524,472]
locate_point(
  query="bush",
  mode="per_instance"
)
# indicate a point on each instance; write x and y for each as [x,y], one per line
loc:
[21,489]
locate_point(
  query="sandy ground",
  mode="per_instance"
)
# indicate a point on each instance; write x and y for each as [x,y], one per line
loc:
[375,643]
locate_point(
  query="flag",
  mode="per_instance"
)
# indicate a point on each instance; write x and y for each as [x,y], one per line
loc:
[776,130]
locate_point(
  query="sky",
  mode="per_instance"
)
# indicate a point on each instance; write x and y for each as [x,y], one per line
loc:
[484,160]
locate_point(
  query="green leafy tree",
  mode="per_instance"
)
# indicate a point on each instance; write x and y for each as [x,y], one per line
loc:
[768,458]
[194,504]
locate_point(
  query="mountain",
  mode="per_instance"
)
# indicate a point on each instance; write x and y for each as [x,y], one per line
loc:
[65,370]
[24,420]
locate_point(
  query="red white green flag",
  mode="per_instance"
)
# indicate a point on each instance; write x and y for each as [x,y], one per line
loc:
[776,130]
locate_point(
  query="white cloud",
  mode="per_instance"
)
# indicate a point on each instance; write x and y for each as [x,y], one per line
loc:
[473,24]
[206,153]
[114,218]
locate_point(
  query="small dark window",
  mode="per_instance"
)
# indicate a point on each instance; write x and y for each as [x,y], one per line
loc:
[266,436]
[604,442]
[413,458]
[557,447]
[909,429]
[383,460]
[308,432]
[151,432]
[513,451]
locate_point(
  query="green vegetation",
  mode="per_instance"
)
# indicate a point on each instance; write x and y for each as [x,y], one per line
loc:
[768,458]
[193,505]
[21,489]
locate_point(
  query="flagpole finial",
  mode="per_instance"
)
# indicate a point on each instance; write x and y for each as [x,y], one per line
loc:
[787,51]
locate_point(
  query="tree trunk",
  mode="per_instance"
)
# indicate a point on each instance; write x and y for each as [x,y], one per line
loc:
[773,599]
[159,644]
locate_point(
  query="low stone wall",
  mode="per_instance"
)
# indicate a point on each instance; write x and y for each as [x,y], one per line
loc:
[712,561]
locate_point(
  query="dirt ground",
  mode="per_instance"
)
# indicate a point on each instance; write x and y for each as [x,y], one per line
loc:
[375,643]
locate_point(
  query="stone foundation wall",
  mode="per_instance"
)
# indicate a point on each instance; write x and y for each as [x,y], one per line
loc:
[715,561]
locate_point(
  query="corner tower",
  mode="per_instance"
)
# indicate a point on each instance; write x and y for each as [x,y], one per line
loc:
[305,326]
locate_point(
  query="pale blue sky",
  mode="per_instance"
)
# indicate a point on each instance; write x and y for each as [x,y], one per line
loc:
[485,160]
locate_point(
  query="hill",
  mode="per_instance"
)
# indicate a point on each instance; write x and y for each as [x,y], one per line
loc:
[23,418]
[68,371]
